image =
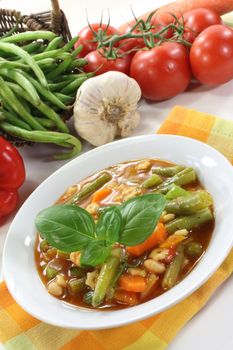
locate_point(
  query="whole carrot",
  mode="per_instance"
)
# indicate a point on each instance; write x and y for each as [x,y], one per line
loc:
[180,7]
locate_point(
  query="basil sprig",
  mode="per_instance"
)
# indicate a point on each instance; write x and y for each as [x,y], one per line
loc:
[70,228]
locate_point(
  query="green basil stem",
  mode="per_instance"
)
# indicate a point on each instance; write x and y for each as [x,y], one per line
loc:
[189,222]
[172,273]
[90,187]
[107,273]
[190,204]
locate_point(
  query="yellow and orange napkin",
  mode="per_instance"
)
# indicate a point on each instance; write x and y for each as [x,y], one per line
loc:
[20,331]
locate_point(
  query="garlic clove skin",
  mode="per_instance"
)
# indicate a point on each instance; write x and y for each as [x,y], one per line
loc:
[106,107]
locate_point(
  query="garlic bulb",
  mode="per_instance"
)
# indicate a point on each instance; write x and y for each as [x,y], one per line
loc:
[106,106]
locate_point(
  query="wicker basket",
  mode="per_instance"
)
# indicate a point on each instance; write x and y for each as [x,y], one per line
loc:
[54,20]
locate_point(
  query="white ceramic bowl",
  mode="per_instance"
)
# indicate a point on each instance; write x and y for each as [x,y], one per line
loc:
[22,279]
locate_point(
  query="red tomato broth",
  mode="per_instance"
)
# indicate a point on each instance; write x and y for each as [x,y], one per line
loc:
[121,174]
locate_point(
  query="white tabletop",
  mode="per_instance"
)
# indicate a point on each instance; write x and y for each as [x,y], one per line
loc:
[211,328]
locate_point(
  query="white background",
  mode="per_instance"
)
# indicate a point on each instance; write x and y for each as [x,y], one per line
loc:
[211,328]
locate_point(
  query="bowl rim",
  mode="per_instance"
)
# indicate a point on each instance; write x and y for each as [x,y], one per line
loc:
[140,315]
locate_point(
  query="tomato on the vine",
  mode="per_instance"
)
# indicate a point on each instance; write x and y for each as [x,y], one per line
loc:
[162,72]
[211,55]
[99,63]
[88,40]
[196,21]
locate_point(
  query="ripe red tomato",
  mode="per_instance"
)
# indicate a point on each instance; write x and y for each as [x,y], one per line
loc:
[8,202]
[196,21]
[88,40]
[162,72]
[98,63]
[211,55]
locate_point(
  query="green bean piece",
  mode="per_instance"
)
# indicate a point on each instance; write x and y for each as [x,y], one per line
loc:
[48,95]
[167,171]
[43,108]
[64,98]
[184,177]
[54,44]
[175,192]
[189,222]
[51,272]
[19,78]
[60,139]
[87,298]
[77,285]
[153,180]
[90,187]
[29,36]
[80,62]
[11,31]
[16,50]
[106,276]
[173,270]
[2,116]
[193,249]
[15,120]
[11,65]
[44,246]
[59,69]
[74,85]
[190,204]
[46,63]
[67,77]
[32,47]
[69,46]
[9,96]
[77,272]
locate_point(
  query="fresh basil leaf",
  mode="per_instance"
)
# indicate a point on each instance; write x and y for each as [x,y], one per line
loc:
[140,216]
[95,253]
[109,225]
[66,227]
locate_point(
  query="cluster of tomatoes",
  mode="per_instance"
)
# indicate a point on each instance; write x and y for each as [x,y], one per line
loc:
[163,57]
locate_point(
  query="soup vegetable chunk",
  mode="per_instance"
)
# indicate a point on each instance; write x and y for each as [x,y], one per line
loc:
[124,235]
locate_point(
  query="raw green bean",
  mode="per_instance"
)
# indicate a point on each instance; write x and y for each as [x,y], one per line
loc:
[76,271]
[74,85]
[48,54]
[77,285]
[10,32]
[55,86]
[106,276]
[47,123]
[13,119]
[190,204]
[48,95]
[44,245]
[43,108]
[54,44]
[51,272]
[11,48]
[64,98]
[32,47]
[173,270]
[167,170]
[189,222]
[175,192]
[29,36]
[80,62]
[68,77]
[90,187]
[19,78]
[46,63]
[153,180]
[59,69]
[2,116]
[69,46]
[184,177]
[60,139]
[11,65]
[9,96]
